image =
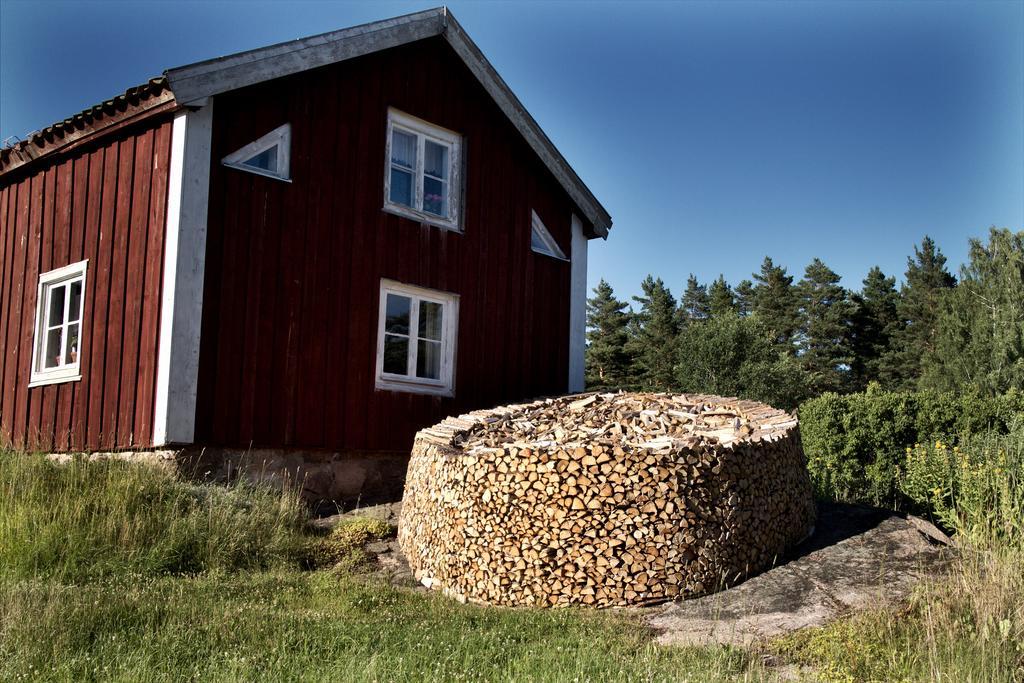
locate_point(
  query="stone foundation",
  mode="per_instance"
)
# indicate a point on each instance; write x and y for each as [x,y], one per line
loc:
[327,479]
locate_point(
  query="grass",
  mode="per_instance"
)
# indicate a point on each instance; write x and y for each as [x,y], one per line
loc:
[119,572]
[286,625]
[86,520]
[968,626]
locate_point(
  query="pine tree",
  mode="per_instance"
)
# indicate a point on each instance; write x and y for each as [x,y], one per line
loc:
[874,322]
[745,297]
[721,299]
[695,304]
[607,363]
[979,342]
[775,302]
[653,335]
[824,333]
[927,280]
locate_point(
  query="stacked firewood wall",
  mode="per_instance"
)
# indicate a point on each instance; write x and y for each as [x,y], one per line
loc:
[604,499]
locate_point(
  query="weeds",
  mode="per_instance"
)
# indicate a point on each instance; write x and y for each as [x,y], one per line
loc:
[82,520]
[975,488]
[344,548]
[967,625]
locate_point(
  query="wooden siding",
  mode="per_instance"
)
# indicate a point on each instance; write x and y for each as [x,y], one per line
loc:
[106,202]
[293,270]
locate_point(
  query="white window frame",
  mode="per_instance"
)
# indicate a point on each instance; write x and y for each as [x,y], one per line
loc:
[280,137]
[551,246]
[69,372]
[445,385]
[426,131]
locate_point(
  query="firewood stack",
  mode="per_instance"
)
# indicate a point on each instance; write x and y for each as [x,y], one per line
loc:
[604,499]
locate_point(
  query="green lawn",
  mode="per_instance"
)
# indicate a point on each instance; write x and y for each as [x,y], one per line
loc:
[290,625]
[116,572]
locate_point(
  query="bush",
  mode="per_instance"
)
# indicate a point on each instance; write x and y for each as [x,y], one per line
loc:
[856,443]
[730,355]
[86,519]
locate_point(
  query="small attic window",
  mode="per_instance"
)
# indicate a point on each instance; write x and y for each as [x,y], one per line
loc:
[541,240]
[267,156]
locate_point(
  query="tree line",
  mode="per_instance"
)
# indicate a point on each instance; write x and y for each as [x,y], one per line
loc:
[782,341]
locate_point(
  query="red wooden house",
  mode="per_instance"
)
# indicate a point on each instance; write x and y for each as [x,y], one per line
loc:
[301,253]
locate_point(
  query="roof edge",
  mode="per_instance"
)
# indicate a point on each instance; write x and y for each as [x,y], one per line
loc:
[135,104]
[193,84]
[521,118]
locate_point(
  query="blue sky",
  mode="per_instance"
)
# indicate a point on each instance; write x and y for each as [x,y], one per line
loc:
[714,133]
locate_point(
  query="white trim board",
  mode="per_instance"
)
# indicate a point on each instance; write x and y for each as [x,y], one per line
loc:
[194,83]
[577,307]
[181,308]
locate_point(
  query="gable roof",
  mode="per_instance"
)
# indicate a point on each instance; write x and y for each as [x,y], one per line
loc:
[194,83]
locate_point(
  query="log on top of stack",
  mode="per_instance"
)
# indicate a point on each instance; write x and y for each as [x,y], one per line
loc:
[645,421]
[604,499]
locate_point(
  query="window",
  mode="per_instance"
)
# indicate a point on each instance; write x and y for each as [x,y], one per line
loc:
[59,304]
[267,156]
[541,240]
[416,339]
[422,180]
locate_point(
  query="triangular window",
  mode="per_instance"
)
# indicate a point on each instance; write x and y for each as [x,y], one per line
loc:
[267,156]
[541,240]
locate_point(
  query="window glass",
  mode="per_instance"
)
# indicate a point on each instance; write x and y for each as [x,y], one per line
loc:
[541,240]
[75,306]
[537,243]
[416,339]
[51,359]
[403,160]
[403,149]
[71,349]
[435,162]
[268,156]
[55,351]
[430,320]
[434,200]
[397,321]
[401,187]
[435,169]
[265,160]
[428,359]
[56,314]
[396,355]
